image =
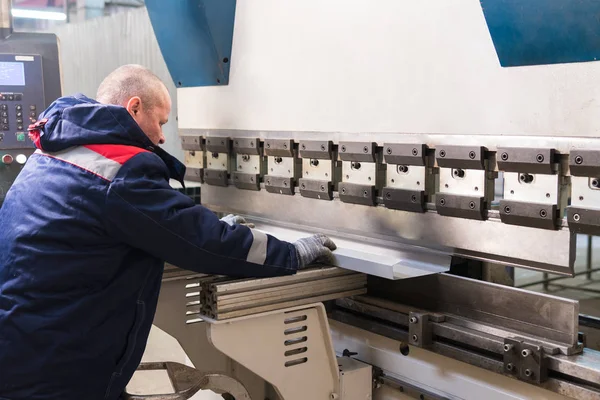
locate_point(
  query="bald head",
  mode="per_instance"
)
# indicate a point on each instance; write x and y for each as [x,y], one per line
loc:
[143,94]
[129,81]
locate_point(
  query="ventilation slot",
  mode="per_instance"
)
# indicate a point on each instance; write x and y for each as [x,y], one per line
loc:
[292,331]
[295,319]
[296,351]
[296,362]
[192,305]
[293,342]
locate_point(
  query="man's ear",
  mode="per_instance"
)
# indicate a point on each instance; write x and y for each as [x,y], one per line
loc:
[134,105]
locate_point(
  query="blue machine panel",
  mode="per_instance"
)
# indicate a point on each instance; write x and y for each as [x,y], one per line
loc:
[535,32]
[195,38]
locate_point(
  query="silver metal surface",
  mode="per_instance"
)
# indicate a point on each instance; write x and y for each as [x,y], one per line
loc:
[362,173]
[408,177]
[217,161]
[545,250]
[282,166]
[317,169]
[473,183]
[584,194]
[543,189]
[529,313]
[491,142]
[249,164]
[194,159]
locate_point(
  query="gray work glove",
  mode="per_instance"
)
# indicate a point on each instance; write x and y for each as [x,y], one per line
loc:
[314,249]
[236,220]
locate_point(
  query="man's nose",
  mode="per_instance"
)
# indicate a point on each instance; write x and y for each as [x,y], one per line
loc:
[162,139]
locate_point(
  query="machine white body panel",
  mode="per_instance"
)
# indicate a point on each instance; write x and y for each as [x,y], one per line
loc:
[386,66]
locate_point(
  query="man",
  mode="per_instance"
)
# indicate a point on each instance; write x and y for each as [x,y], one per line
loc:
[86,228]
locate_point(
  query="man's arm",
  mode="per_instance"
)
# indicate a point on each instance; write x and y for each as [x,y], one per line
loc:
[145,212]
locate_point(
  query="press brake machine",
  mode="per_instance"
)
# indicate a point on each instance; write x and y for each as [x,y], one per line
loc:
[439,143]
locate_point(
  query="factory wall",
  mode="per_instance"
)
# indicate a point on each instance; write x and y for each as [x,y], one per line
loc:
[92,49]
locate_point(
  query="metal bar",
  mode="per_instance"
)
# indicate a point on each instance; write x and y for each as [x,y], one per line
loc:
[530,313]
[478,240]
[582,369]
[589,257]
[295,303]
[234,286]
[277,290]
[309,291]
[545,280]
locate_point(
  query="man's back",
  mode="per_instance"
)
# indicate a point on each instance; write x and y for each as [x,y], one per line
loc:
[72,296]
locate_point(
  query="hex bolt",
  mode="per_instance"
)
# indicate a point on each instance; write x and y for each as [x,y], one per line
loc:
[510,367]
[303,186]
[268,182]
[576,217]
[508,347]
[303,147]
[365,149]
[413,198]
[472,205]
[285,184]
[237,143]
[442,202]
[365,193]
[388,195]
[528,373]
[414,320]
[504,156]
[334,396]
[343,190]
[322,188]
[323,147]
[540,158]
[543,213]
[442,153]
[415,152]
[343,149]
[507,210]
[415,338]
[388,150]
[285,146]
[578,160]
[472,155]
[268,145]
[251,144]
[526,353]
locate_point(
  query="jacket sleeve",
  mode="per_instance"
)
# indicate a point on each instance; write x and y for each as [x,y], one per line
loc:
[145,212]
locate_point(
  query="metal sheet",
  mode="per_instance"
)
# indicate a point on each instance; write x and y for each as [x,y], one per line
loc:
[583,193]
[473,183]
[541,315]
[542,189]
[217,161]
[410,177]
[282,166]
[519,246]
[361,173]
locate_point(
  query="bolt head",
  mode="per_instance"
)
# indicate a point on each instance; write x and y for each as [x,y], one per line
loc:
[578,160]
[413,320]
[415,338]
[576,217]
[510,367]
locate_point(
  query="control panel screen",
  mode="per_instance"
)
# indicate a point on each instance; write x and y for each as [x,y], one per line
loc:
[12,73]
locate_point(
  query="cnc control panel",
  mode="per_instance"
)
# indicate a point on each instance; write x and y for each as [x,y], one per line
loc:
[21,98]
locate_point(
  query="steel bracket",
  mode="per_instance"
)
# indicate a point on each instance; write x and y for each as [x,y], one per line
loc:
[525,361]
[218,145]
[250,146]
[406,154]
[405,200]
[279,147]
[358,151]
[279,184]
[357,194]
[469,207]
[584,220]
[317,149]
[315,189]
[583,215]
[419,329]
[537,161]
[463,157]
[246,181]
[215,177]
[543,216]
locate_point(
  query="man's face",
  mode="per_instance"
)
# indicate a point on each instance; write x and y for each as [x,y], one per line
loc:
[152,119]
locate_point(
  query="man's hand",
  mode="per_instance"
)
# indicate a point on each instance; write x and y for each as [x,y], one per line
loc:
[236,220]
[317,248]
